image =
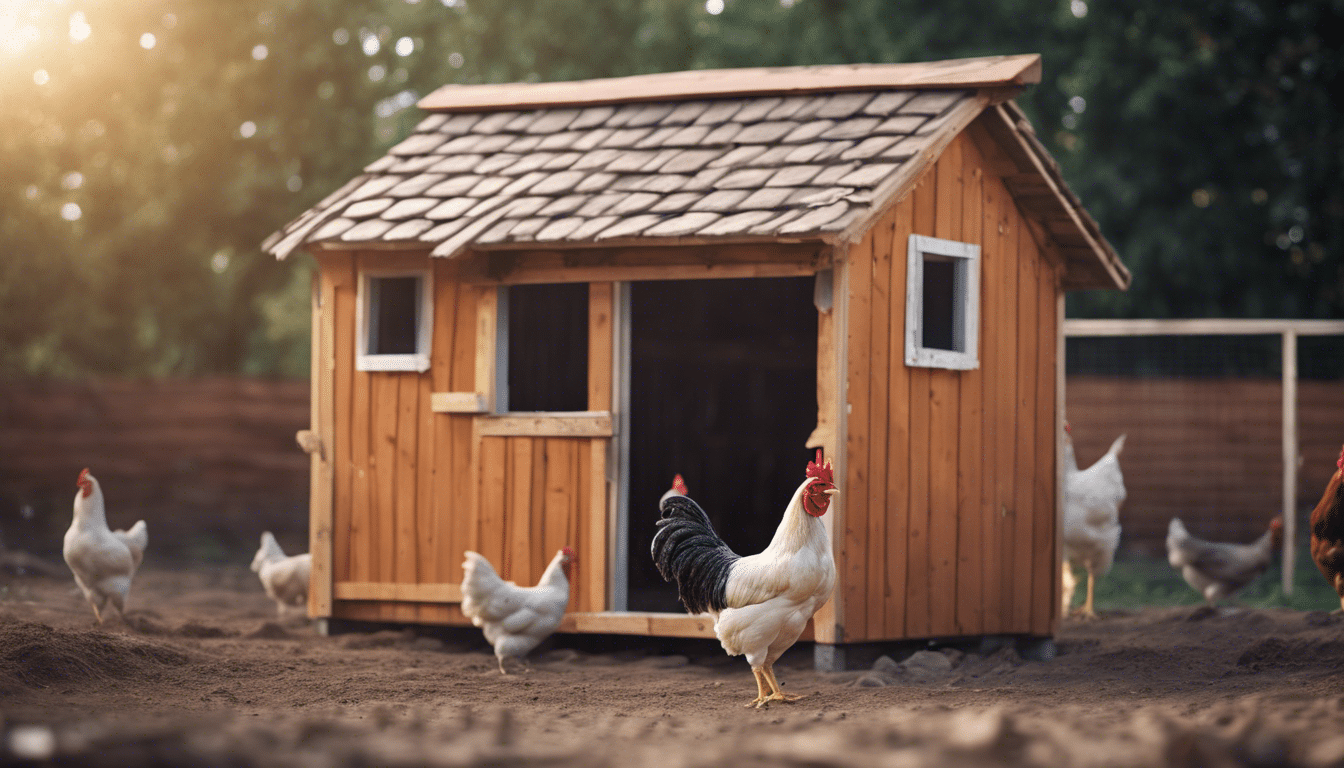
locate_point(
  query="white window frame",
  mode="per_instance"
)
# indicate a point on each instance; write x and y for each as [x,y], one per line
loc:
[968,312]
[424,331]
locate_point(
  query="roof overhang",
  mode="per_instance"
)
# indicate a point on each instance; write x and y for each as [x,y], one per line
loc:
[1011,72]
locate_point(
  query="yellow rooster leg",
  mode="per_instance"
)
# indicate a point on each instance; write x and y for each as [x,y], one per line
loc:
[1088,611]
[502,670]
[761,694]
[777,693]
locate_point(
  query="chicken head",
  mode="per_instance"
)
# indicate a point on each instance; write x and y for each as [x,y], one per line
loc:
[817,495]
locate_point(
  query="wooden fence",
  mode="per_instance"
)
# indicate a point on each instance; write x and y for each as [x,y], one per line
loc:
[209,464]
[1205,450]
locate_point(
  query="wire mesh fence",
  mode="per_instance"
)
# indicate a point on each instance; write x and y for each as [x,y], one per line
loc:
[1229,422]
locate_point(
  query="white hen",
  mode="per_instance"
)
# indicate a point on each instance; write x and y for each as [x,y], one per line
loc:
[103,561]
[515,619]
[1092,499]
[285,578]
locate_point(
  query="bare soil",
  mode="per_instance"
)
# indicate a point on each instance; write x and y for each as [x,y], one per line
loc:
[203,673]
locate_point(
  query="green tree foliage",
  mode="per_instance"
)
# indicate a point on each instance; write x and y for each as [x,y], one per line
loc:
[149,147]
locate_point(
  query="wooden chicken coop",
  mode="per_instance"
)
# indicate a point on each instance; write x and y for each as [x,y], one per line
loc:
[552,297]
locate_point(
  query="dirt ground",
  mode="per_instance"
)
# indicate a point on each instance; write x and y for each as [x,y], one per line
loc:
[202,673]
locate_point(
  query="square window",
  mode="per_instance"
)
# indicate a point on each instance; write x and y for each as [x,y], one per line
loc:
[942,311]
[395,322]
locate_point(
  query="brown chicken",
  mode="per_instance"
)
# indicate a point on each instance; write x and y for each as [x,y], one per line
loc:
[1327,532]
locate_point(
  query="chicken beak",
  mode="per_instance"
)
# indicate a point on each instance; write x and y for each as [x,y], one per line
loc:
[831,491]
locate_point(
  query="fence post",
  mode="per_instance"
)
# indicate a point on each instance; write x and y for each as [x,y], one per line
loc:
[1290,452]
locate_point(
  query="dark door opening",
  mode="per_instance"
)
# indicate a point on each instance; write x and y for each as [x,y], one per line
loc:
[723,390]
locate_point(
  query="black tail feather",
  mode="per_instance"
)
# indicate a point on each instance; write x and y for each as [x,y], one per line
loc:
[688,551]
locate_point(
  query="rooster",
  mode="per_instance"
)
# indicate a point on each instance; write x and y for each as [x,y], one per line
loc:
[1215,570]
[285,578]
[1327,532]
[103,561]
[515,619]
[760,603]
[1091,531]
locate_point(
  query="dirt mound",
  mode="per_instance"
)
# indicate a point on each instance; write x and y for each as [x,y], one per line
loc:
[198,630]
[37,656]
[268,630]
[1279,652]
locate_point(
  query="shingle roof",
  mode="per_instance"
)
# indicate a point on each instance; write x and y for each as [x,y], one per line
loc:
[763,167]
[815,155]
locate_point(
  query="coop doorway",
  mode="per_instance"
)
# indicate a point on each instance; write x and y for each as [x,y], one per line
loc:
[723,391]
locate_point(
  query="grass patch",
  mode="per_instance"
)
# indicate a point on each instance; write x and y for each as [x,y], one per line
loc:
[1139,582]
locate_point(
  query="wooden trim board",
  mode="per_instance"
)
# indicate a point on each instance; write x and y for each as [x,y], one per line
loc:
[988,71]
[576,424]
[394,592]
[458,402]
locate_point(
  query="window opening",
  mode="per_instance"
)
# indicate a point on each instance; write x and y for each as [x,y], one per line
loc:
[395,322]
[547,343]
[942,304]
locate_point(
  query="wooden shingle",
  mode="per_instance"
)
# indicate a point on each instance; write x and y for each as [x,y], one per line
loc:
[797,152]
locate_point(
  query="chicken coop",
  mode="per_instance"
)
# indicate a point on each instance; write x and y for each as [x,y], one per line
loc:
[552,297]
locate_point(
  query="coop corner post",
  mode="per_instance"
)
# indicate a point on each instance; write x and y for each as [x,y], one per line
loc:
[322,408]
[828,622]
[1290,458]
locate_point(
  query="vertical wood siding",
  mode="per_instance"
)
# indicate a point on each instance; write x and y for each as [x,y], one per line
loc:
[408,497]
[950,499]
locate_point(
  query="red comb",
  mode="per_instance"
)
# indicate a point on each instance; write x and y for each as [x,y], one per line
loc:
[1339,463]
[822,472]
[679,486]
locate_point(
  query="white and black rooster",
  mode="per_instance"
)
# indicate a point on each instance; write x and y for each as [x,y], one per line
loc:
[760,603]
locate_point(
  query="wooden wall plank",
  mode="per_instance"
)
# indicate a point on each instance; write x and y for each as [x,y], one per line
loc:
[597,533]
[944,401]
[1006,413]
[588,589]
[1028,286]
[993,294]
[328,403]
[879,405]
[384,392]
[593,501]
[559,471]
[405,553]
[969,612]
[493,473]
[1045,567]
[442,546]
[487,315]
[536,514]
[462,506]
[600,345]
[851,562]
[917,565]
[518,526]
[898,429]
[361,529]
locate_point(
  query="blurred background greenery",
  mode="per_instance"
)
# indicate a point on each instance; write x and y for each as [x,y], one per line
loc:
[149,147]
[1137,581]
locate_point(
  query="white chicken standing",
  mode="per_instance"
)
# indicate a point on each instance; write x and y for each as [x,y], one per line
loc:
[103,561]
[285,578]
[515,619]
[1092,499]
